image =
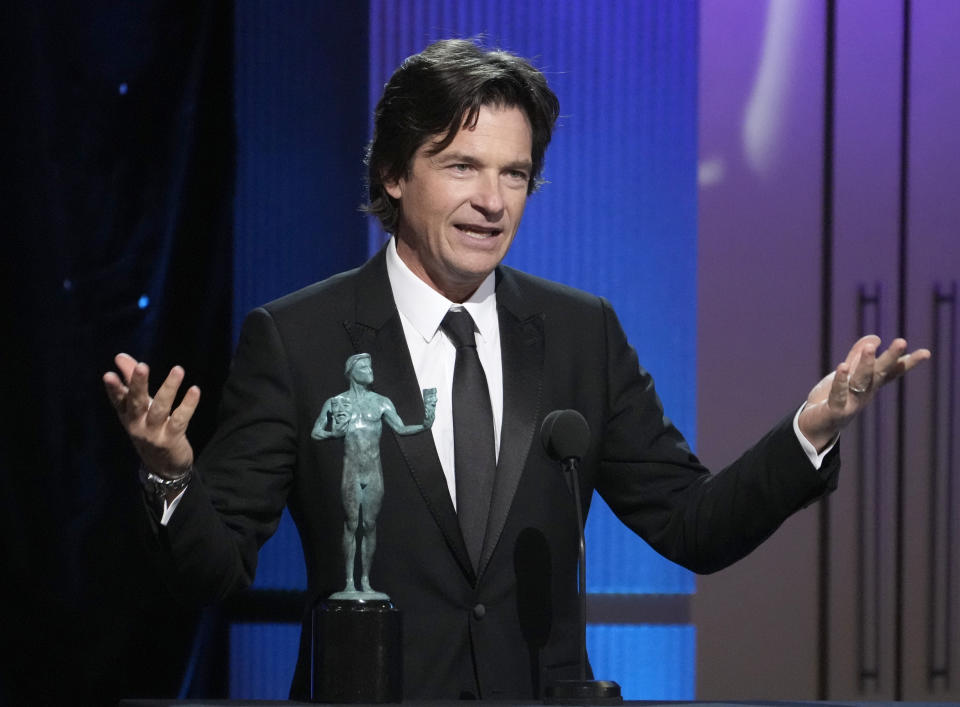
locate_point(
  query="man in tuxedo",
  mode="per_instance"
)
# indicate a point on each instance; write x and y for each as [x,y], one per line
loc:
[480,556]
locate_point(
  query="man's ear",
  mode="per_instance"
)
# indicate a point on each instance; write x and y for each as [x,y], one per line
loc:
[393,188]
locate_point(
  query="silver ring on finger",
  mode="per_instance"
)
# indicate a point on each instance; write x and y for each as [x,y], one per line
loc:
[857,391]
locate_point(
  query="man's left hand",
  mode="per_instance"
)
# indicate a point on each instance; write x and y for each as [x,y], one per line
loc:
[841,395]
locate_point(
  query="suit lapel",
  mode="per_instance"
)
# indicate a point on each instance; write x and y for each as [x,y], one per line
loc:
[378,331]
[521,349]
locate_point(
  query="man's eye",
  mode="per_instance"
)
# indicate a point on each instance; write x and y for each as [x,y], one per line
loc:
[518,174]
[461,167]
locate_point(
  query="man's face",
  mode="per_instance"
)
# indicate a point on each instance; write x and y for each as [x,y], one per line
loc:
[362,371]
[460,208]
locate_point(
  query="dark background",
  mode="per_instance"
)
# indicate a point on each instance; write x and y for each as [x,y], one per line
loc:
[119,172]
[118,216]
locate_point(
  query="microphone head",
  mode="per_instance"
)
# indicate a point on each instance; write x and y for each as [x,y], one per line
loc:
[565,434]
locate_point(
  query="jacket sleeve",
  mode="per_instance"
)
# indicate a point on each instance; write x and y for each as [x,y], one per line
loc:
[233,505]
[658,488]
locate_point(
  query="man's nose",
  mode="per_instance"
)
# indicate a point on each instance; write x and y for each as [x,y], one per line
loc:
[488,197]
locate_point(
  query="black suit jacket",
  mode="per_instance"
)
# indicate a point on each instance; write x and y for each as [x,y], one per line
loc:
[561,348]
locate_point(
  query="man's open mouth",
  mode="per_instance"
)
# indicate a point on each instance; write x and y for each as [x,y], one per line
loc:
[478,231]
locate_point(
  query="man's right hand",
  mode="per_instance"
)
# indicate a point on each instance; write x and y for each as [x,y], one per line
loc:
[159,434]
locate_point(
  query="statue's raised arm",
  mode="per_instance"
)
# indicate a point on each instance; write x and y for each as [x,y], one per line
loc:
[391,417]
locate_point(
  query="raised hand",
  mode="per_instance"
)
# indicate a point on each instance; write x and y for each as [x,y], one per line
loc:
[158,433]
[841,395]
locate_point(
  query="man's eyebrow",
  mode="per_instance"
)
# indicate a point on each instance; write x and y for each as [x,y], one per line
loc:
[525,165]
[456,156]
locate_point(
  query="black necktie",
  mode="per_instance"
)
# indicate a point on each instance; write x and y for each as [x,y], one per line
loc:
[473,447]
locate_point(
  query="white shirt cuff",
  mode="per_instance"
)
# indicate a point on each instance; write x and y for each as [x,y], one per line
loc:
[168,509]
[815,458]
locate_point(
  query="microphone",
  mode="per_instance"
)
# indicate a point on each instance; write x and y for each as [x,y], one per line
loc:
[565,436]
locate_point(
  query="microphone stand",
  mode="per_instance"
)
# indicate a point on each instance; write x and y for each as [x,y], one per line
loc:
[582,691]
[570,466]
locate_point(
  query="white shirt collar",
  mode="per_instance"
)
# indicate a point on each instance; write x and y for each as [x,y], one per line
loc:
[425,308]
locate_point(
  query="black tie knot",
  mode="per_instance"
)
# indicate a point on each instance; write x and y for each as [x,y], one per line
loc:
[459,327]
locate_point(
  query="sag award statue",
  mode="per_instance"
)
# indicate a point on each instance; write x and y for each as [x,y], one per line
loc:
[356,632]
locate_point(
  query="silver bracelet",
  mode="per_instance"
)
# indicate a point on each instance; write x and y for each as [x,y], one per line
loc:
[161,486]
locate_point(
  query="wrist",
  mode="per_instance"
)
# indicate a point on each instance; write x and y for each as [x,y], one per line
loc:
[817,435]
[163,486]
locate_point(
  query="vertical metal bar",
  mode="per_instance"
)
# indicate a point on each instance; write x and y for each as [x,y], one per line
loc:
[877,469]
[951,473]
[826,327]
[862,512]
[940,573]
[932,501]
[870,498]
[902,287]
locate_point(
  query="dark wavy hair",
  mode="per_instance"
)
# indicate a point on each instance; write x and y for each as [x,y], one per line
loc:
[438,91]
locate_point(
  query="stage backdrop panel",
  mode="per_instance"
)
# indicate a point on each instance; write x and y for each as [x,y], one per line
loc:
[617,218]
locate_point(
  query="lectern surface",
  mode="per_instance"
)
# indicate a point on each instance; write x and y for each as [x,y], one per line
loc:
[481,703]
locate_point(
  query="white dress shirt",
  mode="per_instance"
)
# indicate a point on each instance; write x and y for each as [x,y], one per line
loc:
[422,309]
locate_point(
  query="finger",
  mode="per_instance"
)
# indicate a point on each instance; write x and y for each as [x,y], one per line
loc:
[861,380]
[180,418]
[912,359]
[116,390]
[138,399]
[163,400]
[887,361]
[840,388]
[906,362]
[856,351]
[126,363]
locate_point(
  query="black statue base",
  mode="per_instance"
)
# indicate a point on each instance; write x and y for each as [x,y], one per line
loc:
[583,692]
[357,652]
